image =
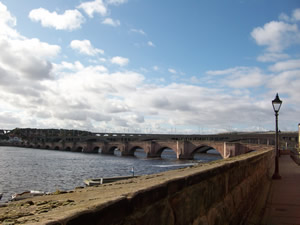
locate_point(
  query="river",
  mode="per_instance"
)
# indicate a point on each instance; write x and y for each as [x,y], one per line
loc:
[24,169]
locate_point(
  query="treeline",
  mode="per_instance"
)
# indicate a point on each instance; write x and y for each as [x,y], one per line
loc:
[34,132]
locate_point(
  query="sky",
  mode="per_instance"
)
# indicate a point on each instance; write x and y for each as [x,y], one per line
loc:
[171,66]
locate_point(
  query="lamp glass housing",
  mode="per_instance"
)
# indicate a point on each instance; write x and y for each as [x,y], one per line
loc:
[276,103]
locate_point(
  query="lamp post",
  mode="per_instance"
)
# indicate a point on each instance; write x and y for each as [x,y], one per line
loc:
[276,106]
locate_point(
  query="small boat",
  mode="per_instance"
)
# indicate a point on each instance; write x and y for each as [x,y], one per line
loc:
[26,194]
[105,180]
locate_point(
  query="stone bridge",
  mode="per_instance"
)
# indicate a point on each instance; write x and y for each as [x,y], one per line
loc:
[153,149]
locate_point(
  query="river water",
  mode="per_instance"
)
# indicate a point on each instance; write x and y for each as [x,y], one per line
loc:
[24,169]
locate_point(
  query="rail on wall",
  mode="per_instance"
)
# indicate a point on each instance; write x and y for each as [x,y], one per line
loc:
[295,155]
[220,192]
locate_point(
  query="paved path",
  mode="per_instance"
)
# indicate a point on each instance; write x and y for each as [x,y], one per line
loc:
[283,205]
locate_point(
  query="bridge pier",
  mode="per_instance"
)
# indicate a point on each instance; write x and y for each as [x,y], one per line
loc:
[151,155]
[126,153]
[186,157]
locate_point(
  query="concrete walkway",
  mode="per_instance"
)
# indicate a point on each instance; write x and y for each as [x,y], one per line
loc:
[283,204]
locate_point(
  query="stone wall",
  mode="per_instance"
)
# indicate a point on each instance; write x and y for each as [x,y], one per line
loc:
[223,192]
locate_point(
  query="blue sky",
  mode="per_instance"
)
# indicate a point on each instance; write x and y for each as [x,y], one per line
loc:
[149,66]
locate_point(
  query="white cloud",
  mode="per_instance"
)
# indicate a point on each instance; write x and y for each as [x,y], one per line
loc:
[172,71]
[155,68]
[25,59]
[121,61]
[286,65]
[93,7]
[293,18]
[288,83]
[116,2]
[6,17]
[139,31]
[7,22]
[240,77]
[69,20]
[24,66]
[76,66]
[227,71]
[296,14]
[277,36]
[111,22]
[85,47]
[284,17]
[272,57]
[150,44]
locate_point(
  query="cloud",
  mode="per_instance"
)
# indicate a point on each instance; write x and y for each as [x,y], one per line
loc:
[277,36]
[27,58]
[172,71]
[116,2]
[155,68]
[69,20]
[240,77]
[286,65]
[150,44]
[7,22]
[287,84]
[24,66]
[120,61]
[272,57]
[7,119]
[85,47]
[66,67]
[92,7]
[76,66]
[138,31]
[296,15]
[284,17]
[224,72]
[111,22]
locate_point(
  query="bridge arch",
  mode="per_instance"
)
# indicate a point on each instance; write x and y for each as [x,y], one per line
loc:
[68,148]
[204,149]
[78,149]
[163,149]
[113,150]
[97,149]
[134,148]
[138,151]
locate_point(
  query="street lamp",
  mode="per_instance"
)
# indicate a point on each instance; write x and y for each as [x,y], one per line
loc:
[276,106]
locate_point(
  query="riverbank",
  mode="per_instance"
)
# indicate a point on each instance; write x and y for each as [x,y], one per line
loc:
[61,207]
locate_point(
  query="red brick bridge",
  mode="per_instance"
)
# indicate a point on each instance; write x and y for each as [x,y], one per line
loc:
[184,149]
